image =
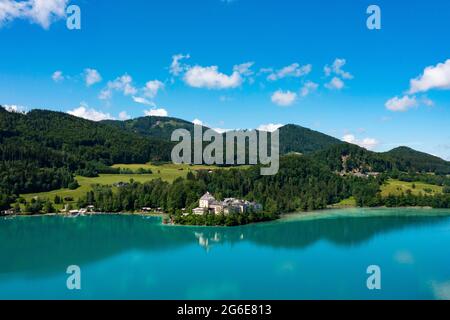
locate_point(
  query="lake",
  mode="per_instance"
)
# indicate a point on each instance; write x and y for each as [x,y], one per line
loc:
[322,255]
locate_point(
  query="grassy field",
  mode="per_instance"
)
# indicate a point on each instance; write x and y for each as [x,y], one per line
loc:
[86,185]
[349,202]
[167,172]
[397,187]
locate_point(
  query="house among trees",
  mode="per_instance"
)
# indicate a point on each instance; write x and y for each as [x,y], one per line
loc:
[209,204]
[121,184]
[9,212]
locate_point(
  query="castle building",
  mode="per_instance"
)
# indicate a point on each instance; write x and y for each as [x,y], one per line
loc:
[209,204]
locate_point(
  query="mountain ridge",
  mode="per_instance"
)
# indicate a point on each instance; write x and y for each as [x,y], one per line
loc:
[44,150]
[152,131]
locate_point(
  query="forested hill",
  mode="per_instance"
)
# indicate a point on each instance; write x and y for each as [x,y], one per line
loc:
[293,138]
[42,134]
[351,158]
[73,137]
[155,127]
[408,159]
[42,150]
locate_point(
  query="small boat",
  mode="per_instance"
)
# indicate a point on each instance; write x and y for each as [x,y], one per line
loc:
[74,213]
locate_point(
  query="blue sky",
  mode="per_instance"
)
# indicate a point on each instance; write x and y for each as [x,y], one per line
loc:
[251,64]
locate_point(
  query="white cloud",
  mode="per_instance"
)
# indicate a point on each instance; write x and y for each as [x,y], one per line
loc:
[124,115]
[293,70]
[122,84]
[10,10]
[307,88]
[105,94]
[427,102]
[405,103]
[284,98]
[152,88]
[221,130]
[91,77]
[350,138]
[269,127]
[57,76]
[156,112]
[176,67]
[336,68]
[41,12]
[244,68]
[211,78]
[197,122]
[265,71]
[142,100]
[433,77]
[125,85]
[368,143]
[335,84]
[15,108]
[225,98]
[90,114]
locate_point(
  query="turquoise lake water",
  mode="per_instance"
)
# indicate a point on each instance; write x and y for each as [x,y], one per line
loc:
[320,256]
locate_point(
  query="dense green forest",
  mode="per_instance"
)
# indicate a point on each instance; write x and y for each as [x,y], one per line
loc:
[155,127]
[301,184]
[293,138]
[44,150]
[74,140]
[407,159]
[351,157]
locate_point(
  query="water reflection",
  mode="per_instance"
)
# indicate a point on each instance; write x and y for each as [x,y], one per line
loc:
[43,244]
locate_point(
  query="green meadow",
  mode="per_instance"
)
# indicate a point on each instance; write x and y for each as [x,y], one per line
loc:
[167,172]
[397,187]
[346,203]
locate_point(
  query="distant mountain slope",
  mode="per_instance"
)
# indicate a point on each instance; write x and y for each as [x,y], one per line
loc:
[349,157]
[76,138]
[294,138]
[409,159]
[155,127]
[42,134]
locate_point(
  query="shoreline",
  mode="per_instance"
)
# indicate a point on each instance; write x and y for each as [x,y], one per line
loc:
[358,211]
[326,213]
[63,215]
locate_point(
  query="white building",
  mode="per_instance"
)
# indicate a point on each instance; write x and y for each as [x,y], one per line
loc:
[209,204]
[199,211]
[207,200]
